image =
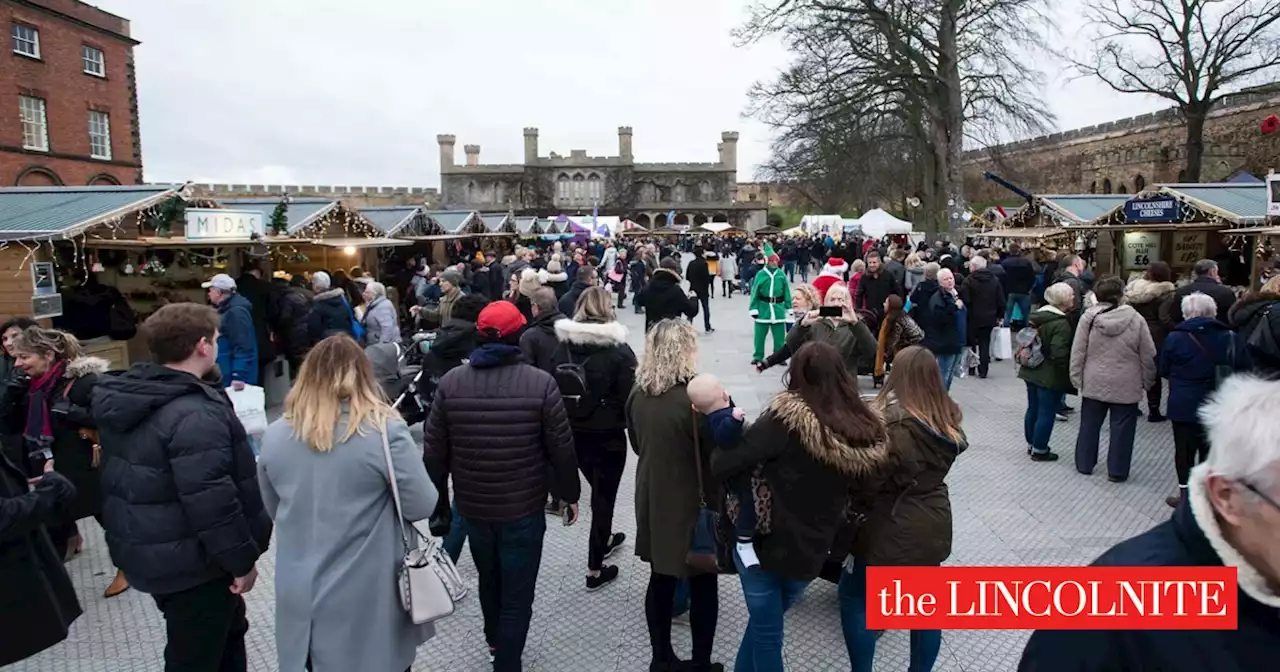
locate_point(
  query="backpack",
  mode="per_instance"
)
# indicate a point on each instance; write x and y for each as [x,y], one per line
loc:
[571,378]
[1028,351]
[357,327]
[1263,339]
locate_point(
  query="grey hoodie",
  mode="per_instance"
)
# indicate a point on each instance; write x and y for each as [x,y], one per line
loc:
[1113,356]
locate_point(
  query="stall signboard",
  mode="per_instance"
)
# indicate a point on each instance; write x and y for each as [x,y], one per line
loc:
[224,225]
[45,300]
[1161,209]
[1141,248]
[1273,195]
[1189,247]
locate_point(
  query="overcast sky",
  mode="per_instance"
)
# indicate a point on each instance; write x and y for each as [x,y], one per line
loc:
[335,92]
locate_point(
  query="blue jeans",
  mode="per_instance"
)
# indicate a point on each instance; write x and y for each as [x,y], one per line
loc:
[705,300]
[768,598]
[789,267]
[457,534]
[947,365]
[1023,302]
[1037,426]
[507,557]
[861,642]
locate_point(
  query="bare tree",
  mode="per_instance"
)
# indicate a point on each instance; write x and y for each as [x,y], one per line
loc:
[1190,52]
[930,73]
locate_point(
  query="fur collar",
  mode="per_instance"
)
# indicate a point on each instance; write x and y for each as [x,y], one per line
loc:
[591,333]
[329,294]
[545,276]
[1248,578]
[852,456]
[1143,290]
[85,365]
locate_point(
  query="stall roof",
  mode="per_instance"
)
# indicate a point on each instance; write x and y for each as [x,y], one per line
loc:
[455,222]
[1237,202]
[495,222]
[1083,207]
[302,211]
[47,212]
[529,225]
[390,219]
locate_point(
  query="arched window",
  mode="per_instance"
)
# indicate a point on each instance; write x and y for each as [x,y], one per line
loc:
[471,192]
[1182,175]
[1093,187]
[1106,186]
[103,179]
[579,187]
[1139,183]
[1122,189]
[38,176]
[562,187]
[595,188]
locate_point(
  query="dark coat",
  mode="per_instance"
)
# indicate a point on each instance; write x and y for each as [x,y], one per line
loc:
[497,426]
[984,298]
[1177,542]
[853,340]
[663,298]
[289,315]
[1055,341]
[481,279]
[1077,285]
[13,387]
[258,292]
[1151,300]
[569,302]
[181,504]
[538,342]
[810,471]
[1247,317]
[919,299]
[661,431]
[610,364]
[237,341]
[909,519]
[1190,353]
[942,335]
[330,315]
[1020,275]
[37,601]
[1221,294]
[874,289]
[699,276]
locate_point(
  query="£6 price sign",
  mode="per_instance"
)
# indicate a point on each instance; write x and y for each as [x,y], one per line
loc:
[1141,248]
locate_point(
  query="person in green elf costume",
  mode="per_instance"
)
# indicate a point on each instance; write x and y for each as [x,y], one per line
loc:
[770,304]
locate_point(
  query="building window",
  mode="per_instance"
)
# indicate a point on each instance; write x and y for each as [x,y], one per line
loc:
[1093,187]
[562,187]
[95,63]
[579,187]
[594,188]
[35,132]
[751,196]
[1106,186]
[1139,183]
[99,135]
[26,40]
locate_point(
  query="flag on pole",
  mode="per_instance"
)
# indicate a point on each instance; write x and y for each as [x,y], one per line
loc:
[671,219]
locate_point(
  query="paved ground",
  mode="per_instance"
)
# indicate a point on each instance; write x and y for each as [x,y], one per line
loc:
[1008,511]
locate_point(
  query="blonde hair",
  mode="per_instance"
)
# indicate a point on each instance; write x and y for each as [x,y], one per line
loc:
[810,294]
[913,261]
[40,341]
[334,374]
[1273,285]
[670,357]
[594,305]
[858,266]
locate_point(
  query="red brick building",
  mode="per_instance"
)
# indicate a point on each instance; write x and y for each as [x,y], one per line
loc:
[68,96]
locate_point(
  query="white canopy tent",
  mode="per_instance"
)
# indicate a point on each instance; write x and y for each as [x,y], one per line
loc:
[815,224]
[716,227]
[877,223]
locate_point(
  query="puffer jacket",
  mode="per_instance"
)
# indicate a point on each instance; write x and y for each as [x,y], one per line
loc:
[539,342]
[497,425]
[1113,358]
[985,299]
[288,313]
[569,302]
[381,325]
[1193,351]
[1150,299]
[1262,350]
[1054,373]
[330,315]
[909,519]
[601,349]
[811,472]
[1020,275]
[181,504]
[664,298]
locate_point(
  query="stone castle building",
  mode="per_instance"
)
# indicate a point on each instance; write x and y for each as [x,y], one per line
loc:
[548,186]
[1126,155]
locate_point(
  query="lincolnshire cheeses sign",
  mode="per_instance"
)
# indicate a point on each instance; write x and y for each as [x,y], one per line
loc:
[1151,210]
[223,225]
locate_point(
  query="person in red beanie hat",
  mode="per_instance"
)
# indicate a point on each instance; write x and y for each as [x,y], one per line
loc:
[499,428]
[832,273]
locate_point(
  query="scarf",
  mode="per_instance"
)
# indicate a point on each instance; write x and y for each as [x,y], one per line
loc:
[39,427]
[882,345]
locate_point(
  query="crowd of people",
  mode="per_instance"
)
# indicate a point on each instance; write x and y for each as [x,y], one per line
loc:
[535,389]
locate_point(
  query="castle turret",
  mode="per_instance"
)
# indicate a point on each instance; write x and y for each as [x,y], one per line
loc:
[729,149]
[624,143]
[530,145]
[473,154]
[446,150]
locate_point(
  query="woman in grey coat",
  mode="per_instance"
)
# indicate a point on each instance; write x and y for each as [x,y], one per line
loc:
[325,482]
[381,324]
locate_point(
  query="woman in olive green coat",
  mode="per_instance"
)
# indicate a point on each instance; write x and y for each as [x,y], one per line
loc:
[1051,379]
[662,426]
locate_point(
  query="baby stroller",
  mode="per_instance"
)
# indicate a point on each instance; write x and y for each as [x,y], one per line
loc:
[399,368]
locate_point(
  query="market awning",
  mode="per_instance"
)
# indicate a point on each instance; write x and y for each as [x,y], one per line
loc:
[529,226]
[500,222]
[1237,202]
[393,219]
[302,211]
[361,243]
[458,222]
[1081,208]
[28,213]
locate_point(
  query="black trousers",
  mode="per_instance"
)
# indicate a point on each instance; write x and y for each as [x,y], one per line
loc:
[601,459]
[205,628]
[1153,392]
[981,337]
[704,609]
[1124,423]
[1190,447]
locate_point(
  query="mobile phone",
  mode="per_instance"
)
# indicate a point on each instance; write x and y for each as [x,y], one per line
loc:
[830,311]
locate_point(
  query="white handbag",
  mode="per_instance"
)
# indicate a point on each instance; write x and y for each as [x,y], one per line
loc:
[429,583]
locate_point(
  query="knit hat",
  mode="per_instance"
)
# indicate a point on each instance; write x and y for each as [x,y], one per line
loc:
[834,266]
[768,250]
[529,282]
[671,264]
[452,276]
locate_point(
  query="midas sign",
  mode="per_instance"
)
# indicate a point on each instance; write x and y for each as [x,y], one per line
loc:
[213,224]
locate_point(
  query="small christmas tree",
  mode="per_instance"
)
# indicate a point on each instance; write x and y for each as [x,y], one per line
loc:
[280,218]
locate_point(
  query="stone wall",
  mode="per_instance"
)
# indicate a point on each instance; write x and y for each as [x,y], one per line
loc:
[1129,153]
[356,196]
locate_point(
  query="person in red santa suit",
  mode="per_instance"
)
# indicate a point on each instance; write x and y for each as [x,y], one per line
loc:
[832,273]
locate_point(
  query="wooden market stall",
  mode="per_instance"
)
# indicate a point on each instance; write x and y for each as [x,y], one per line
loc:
[1048,212]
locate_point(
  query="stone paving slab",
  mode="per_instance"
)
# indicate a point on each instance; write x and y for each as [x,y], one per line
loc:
[1007,510]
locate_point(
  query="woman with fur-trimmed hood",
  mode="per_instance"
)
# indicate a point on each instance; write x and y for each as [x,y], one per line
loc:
[1149,295]
[819,445]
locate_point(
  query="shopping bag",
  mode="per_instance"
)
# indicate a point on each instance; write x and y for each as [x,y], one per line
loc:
[1002,343]
[251,408]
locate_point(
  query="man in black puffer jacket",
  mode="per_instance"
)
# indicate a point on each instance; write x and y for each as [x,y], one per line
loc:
[984,301]
[586,279]
[181,508]
[538,342]
[664,298]
[497,427]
